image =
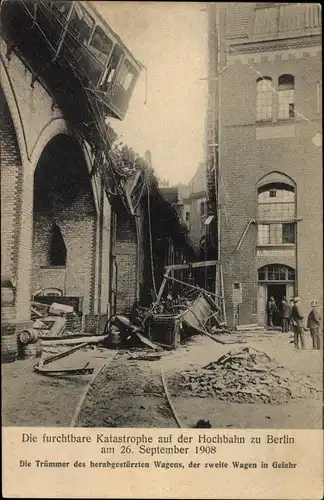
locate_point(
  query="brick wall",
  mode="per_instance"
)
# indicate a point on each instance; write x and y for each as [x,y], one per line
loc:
[77,223]
[37,115]
[11,174]
[36,122]
[126,258]
[245,159]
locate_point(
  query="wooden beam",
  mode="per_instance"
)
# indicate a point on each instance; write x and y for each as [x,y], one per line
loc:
[194,287]
[204,263]
[159,296]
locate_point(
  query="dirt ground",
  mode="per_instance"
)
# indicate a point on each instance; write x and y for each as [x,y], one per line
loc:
[129,393]
[31,399]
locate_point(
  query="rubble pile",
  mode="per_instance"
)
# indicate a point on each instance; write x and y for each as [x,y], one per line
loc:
[248,375]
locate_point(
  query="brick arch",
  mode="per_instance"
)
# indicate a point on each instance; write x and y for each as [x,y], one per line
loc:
[56,127]
[279,263]
[275,176]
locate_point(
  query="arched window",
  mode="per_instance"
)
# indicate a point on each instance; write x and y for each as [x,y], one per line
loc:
[276,272]
[58,251]
[276,214]
[264,99]
[286,97]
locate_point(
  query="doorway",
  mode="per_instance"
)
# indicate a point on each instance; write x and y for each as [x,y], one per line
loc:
[277,292]
[277,281]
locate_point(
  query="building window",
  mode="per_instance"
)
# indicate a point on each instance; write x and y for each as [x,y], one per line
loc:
[58,251]
[286,97]
[202,207]
[288,233]
[276,214]
[263,234]
[100,45]
[264,99]
[188,217]
[276,272]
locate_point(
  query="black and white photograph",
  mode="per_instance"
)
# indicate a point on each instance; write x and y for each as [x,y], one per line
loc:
[161,215]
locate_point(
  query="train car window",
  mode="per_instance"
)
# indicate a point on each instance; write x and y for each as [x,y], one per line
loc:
[109,74]
[100,45]
[81,23]
[61,9]
[126,75]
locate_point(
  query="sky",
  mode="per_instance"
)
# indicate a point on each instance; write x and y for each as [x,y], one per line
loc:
[170,39]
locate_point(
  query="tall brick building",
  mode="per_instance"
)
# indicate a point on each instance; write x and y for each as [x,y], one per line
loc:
[266,58]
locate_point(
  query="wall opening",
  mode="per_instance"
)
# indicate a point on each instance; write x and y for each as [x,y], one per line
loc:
[275,281]
[58,252]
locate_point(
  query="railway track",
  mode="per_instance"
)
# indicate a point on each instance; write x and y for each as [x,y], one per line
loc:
[164,388]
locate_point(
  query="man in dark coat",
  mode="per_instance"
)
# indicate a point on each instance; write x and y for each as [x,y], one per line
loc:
[285,314]
[297,319]
[291,305]
[313,323]
[272,310]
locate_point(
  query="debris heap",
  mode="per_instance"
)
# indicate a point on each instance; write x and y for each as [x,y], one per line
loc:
[248,375]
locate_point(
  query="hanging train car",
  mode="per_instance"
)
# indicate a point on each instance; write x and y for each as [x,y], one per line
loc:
[75,31]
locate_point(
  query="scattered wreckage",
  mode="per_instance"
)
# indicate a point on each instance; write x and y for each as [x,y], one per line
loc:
[161,326]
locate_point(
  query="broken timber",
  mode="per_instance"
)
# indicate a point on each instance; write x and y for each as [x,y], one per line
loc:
[41,366]
[192,286]
[93,339]
[181,267]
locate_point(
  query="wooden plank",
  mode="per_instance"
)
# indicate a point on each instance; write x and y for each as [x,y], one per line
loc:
[159,296]
[71,341]
[204,263]
[250,326]
[146,341]
[200,330]
[50,359]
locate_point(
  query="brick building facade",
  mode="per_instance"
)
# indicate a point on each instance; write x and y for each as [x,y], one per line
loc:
[270,157]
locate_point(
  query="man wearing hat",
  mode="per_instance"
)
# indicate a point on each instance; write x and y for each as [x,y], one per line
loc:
[313,323]
[297,320]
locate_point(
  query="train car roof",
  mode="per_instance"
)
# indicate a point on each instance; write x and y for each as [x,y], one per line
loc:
[95,12]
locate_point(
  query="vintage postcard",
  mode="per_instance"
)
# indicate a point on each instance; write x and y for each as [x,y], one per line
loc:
[161,249]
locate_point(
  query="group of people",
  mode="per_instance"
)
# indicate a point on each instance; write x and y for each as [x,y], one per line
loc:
[292,318]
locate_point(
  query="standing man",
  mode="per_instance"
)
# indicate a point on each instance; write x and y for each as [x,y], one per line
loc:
[285,314]
[313,323]
[272,309]
[291,305]
[297,319]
